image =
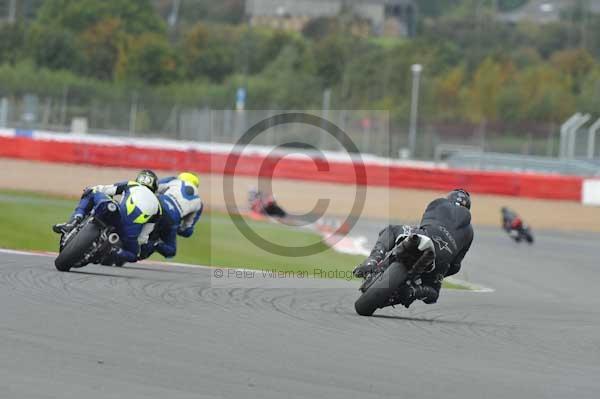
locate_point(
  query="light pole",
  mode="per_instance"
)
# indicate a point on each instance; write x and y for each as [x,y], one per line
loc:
[592,138]
[414,108]
[565,128]
[12,11]
[572,143]
[173,16]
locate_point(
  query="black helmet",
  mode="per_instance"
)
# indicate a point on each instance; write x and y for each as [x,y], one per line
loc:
[460,197]
[148,178]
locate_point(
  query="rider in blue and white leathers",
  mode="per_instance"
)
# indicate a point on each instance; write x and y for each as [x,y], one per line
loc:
[139,209]
[182,208]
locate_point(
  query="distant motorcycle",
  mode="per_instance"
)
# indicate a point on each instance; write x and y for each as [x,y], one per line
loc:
[391,282]
[263,204]
[93,240]
[519,231]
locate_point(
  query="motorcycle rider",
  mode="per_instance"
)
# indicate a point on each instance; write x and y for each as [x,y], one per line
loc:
[264,204]
[515,227]
[138,207]
[510,219]
[447,222]
[182,208]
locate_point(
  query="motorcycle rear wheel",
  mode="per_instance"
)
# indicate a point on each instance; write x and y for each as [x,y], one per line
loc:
[76,247]
[381,290]
[529,237]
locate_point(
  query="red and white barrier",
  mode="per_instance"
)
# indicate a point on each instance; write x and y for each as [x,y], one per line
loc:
[590,192]
[263,161]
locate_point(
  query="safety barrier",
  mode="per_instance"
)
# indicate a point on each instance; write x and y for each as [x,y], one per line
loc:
[218,159]
[590,193]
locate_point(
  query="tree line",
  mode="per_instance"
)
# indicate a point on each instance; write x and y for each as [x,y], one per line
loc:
[477,69]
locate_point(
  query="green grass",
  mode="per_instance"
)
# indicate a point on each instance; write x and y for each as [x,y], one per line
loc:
[26,220]
[453,286]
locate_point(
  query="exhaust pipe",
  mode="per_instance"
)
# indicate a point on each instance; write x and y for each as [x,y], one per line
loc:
[113,238]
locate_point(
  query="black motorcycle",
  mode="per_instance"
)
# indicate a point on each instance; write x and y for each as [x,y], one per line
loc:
[93,240]
[391,282]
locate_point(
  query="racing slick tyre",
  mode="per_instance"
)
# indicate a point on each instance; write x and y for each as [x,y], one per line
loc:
[528,237]
[76,247]
[379,292]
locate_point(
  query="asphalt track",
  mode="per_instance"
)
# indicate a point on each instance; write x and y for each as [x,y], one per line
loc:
[149,331]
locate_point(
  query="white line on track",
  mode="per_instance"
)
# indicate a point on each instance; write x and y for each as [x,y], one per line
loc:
[471,287]
[54,254]
[30,253]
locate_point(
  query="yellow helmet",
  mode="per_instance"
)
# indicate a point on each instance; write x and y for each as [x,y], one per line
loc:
[190,178]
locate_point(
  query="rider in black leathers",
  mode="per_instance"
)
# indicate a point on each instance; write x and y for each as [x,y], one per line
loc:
[447,221]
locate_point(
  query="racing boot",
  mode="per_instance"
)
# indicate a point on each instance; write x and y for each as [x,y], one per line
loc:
[66,227]
[411,293]
[426,294]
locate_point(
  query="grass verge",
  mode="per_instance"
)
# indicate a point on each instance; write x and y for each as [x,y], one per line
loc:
[26,220]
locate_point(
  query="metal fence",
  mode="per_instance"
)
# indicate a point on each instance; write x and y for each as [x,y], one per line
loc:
[522,163]
[368,129]
[373,132]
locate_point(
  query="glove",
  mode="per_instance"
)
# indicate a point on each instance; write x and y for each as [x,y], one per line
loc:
[87,191]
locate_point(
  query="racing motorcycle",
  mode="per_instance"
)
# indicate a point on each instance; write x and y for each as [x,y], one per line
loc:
[93,240]
[519,231]
[391,282]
